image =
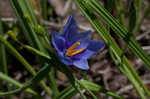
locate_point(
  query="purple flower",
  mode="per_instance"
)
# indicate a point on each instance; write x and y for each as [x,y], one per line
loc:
[75,48]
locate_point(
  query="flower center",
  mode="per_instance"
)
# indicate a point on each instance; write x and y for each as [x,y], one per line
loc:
[72,51]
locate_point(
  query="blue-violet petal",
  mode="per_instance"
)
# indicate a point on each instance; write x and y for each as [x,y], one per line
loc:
[81,36]
[65,59]
[58,41]
[95,45]
[82,64]
[70,29]
[92,48]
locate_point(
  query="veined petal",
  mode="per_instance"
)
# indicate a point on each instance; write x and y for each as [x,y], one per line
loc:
[83,44]
[70,29]
[65,59]
[95,45]
[58,41]
[92,48]
[82,64]
[81,36]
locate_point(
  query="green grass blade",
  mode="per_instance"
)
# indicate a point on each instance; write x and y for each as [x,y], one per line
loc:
[14,52]
[87,89]
[53,81]
[68,92]
[43,72]
[120,30]
[35,80]
[16,83]
[110,5]
[64,94]
[132,17]
[1,53]
[138,7]
[116,50]
[66,70]
[71,78]
[3,58]
[94,87]
[25,21]
[120,10]
[55,62]
[140,22]
[31,49]
[20,17]
[28,10]
[44,9]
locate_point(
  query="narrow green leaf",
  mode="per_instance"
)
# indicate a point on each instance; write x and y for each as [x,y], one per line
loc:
[16,83]
[36,51]
[120,30]
[3,59]
[63,68]
[53,81]
[94,87]
[68,92]
[127,67]
[87,89]
[140,22]
[36,79]
[132,17]
[28,10]
[20,58]
[23,15]
[44,9]
[138,6]
[110,5]
[41,74]
[19,15]
[120,10]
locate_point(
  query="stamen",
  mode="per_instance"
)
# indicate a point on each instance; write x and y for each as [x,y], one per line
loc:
[74,46]
[78,51]
[72,51]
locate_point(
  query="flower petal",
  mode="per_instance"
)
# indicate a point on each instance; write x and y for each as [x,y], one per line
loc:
[70,29]
[82,64]
[81,36]
[65,59]
[93,47]
[83,44]
[58,41]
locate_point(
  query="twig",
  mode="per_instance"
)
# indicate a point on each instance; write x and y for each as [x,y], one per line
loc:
[59,25]
[146,47]
[129,87]
[61,9]
[52,24]
[67,6]
[143,35]
[9,19]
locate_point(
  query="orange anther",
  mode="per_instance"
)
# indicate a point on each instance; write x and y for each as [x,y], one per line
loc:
[72,51]
[74,46]
[78,51]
